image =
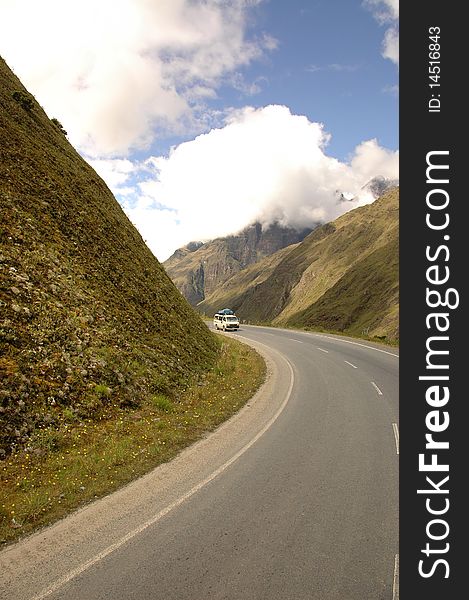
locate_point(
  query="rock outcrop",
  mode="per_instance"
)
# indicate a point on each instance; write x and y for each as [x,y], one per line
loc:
[199,269]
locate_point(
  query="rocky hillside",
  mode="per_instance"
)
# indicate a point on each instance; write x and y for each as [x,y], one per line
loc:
[343,276]
[199,269]
[89,318]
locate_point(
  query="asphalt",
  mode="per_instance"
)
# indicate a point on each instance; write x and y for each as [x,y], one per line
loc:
[295,498]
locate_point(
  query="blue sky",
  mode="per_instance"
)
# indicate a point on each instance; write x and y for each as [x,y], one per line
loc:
[327,65]
[274,107]
[350,90]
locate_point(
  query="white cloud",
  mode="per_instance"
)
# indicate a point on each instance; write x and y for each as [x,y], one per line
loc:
[114,70]
[391,45]
[386,12]
[115,172]
[265,164]
[247,88]
[117,73]
[391,89]
[371,160]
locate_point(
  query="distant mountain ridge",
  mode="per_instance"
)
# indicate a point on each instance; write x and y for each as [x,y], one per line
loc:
[198,269]
[343,276]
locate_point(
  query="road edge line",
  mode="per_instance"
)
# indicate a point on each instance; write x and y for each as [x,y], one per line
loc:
[395,428]
[337,339]
[59,583]
[395,579]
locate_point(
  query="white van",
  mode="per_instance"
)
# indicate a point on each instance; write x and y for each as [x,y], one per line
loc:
[226,322]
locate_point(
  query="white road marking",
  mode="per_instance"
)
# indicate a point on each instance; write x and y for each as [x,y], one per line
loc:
[396,436]
[322,350]
[113,547]
[293,340]
[376,388]
[395,581]
[357,344]
[349,363]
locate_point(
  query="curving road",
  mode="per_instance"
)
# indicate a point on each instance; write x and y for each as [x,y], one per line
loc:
[296,498]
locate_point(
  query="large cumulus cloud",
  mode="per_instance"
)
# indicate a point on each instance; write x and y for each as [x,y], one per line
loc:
[265,164]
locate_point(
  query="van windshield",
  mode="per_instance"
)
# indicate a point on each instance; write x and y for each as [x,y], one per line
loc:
[231,318]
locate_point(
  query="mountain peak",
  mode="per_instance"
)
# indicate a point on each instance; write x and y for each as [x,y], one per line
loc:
[198,272]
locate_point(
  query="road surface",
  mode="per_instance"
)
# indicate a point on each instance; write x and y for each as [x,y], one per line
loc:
[296,498]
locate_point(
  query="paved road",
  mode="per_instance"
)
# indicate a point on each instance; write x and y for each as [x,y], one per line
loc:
[301,505]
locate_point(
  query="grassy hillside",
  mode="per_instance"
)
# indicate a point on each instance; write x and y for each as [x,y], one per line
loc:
[90,320]
[343,276]
[363,302]
[348,240]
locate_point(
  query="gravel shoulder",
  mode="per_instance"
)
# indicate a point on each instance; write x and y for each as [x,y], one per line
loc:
[50,557]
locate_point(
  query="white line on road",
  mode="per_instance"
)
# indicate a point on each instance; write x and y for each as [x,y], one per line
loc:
[396,436]
[113,547]
[322,350]
[357,344]
[349,363]
[293,340]
[376,388]
[395,581]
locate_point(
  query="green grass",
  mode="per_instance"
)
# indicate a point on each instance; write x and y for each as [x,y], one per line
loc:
[85,459]
[89,318]
[163,403]
[102,391]
[363,301]
[105,370]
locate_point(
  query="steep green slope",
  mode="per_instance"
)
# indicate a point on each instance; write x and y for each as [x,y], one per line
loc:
[90,319]
[351,238]
[363,302]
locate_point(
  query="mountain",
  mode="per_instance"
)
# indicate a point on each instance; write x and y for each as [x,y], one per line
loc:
[198,269]
[343,276]
[233,291]
[89,316]
[379,185]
